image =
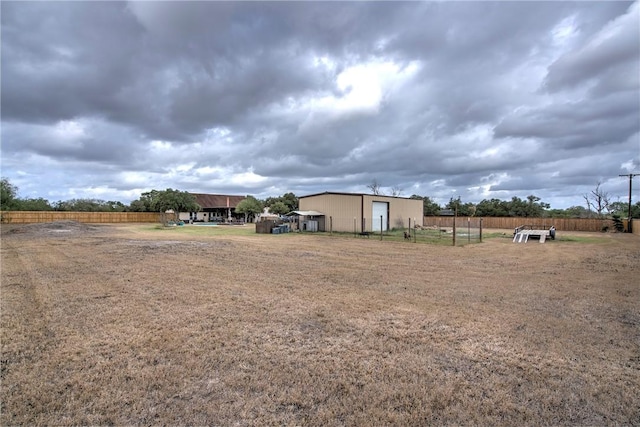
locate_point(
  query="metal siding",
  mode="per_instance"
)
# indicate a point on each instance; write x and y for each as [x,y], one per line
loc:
[402,210]
[343,208]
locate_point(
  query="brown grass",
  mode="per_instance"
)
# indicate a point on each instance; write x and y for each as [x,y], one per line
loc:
[125,325]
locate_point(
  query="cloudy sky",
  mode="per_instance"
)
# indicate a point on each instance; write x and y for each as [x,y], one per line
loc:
[443,99]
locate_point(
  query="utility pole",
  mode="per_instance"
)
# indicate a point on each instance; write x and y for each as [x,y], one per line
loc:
[630,175]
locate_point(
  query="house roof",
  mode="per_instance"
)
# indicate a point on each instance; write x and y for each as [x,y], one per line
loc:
[207,201]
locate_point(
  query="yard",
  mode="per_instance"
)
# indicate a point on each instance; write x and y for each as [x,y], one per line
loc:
[134,324]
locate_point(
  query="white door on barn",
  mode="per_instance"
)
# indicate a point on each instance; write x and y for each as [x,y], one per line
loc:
[380,209]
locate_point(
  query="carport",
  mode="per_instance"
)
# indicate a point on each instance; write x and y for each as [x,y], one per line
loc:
[309,220]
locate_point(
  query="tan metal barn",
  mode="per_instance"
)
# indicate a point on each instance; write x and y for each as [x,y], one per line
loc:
[354,212]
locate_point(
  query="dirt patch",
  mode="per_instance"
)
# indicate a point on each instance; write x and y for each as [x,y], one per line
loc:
[50,229]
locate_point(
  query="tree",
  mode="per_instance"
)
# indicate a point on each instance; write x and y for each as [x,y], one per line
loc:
[82,205]
[175,200]
[598,199]
[279,208]
[375,188]
[577,212]
[429,207]
[622,209]
[250,206]
[467,209]
[170,200]
[617,223]
[115,206]
[38,204]
[619,208]
[396,191]
[535,208]
[8,195]
[532,207]
[493,207]
[149,200]
[558,213]
[146,200]
[288,199]
[137,206]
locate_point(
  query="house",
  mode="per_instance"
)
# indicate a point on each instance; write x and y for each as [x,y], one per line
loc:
[356,212]
[214,208]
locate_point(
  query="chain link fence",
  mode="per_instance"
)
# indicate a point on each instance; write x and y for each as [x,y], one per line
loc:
[459,233]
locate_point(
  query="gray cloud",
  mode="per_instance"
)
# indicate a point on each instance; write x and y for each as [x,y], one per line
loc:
[604,55]
[586,123]
[267,97]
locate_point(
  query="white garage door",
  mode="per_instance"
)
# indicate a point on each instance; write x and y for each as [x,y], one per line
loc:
[380,209]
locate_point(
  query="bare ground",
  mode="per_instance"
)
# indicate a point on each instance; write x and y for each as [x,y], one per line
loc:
[125,325]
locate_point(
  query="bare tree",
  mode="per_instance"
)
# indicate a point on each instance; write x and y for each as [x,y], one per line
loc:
[396,191]
[375,188]
[598,200]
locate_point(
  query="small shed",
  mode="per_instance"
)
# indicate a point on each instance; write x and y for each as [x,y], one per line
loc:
[309,220]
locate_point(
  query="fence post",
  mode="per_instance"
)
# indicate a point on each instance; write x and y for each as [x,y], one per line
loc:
[330,226]
[455,216]
[380,227]
[480,230]
[354,227]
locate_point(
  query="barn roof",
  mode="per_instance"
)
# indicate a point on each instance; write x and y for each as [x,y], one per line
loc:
[207,201]
[352,194]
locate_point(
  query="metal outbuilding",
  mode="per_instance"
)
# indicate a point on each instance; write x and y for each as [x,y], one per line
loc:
[357,212]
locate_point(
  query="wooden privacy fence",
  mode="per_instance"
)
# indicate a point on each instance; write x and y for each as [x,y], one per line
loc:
[561,224]
[28,217]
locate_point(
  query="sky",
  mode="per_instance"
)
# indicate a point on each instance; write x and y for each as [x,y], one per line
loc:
[477,100]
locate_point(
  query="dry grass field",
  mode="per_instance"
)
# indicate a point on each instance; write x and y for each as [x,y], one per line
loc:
[134,325]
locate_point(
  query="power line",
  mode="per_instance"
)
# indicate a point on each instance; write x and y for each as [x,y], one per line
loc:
[630,175]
